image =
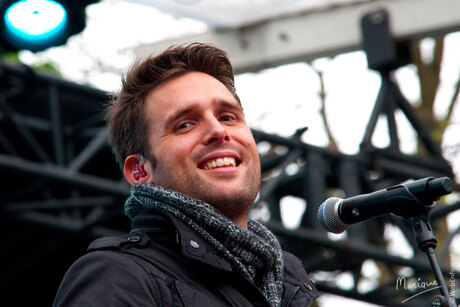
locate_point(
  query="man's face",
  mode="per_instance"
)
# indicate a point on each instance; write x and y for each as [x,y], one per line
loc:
[201,143]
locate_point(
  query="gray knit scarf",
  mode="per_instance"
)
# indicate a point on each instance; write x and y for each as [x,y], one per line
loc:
[254,253]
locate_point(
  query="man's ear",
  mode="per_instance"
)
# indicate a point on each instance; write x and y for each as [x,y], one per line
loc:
[136,170]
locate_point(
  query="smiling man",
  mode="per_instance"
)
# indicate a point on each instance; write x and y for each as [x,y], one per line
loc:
[198,132]
[177,128]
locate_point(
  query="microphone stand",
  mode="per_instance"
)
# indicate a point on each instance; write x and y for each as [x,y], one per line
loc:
[426,242]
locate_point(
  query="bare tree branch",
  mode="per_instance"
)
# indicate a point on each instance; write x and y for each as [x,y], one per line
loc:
[322,96]
[453,101]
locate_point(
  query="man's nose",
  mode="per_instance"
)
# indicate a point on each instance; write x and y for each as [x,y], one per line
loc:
[216,132]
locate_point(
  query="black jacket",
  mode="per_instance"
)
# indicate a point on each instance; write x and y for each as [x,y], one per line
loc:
[163,262]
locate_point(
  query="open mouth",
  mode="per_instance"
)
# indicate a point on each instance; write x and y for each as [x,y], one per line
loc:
[220,162]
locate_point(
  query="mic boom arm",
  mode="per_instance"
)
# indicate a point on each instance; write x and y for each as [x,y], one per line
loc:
[405,200]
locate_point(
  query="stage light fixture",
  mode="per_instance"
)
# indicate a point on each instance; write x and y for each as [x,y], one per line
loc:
[39,24]
[34,23]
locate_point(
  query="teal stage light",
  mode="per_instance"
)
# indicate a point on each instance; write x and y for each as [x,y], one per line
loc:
[31,24]
[39,24]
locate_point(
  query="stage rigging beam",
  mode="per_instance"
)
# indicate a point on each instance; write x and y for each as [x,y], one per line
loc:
[98,141]
[323,32]
[61,174]
[355,247]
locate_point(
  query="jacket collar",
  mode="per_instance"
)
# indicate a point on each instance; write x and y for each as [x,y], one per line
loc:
[191,244]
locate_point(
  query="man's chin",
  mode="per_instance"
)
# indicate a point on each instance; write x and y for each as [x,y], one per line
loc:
[237,199]
[214,197]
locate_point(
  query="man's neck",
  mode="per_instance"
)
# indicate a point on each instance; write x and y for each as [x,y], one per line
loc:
[243,222]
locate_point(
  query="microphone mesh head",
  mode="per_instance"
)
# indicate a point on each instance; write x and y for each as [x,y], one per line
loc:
[328,215]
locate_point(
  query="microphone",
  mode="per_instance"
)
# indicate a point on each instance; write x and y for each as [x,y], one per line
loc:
[406,200]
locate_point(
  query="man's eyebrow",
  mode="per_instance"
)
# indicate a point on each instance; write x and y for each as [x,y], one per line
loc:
[178,114]
[191,108]
[227,104]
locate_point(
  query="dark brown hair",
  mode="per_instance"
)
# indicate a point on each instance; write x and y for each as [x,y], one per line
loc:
[125,114]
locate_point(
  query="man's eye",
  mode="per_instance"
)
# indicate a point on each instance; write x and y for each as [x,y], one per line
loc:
[184,125]
[226,118]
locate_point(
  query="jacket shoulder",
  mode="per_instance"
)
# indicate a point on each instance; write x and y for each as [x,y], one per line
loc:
[119,242]
[110,274]
[293,267]
[298,287]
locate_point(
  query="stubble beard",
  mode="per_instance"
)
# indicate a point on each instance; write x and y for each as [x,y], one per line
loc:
[233,203]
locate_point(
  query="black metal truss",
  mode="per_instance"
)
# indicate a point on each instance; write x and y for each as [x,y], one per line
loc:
[321,174]
[60,185]
[61,188]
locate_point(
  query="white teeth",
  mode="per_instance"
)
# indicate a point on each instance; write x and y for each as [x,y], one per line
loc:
[219,162]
